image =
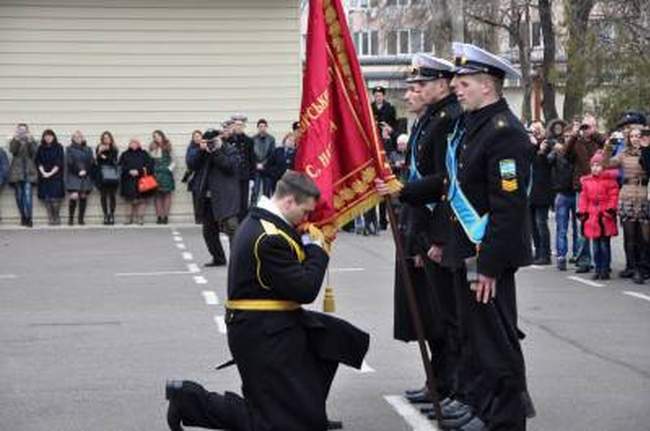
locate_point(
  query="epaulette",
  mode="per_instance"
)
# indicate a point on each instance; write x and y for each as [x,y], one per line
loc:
[271,229]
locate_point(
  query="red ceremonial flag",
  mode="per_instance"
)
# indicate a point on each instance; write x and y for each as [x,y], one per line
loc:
[339,145]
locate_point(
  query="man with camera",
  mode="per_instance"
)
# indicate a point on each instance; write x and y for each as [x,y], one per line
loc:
[565,193]
[580,148]
[217,188]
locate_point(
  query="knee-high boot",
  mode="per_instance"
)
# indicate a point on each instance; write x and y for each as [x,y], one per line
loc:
[72,207]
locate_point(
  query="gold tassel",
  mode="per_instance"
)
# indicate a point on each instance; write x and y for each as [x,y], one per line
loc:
[329,305]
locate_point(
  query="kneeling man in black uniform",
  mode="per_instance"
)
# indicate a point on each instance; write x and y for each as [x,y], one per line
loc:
[287,357]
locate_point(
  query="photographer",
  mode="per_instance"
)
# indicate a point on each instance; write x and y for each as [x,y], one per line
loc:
[565,193]
[217,188]
[580,148]
[541,195]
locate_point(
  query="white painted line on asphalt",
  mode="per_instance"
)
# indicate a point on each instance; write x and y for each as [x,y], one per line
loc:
[411,414]
[175,233]
[178,238]
[537,267]
[147,274]
[637,295]
[347,269]
[193,268]
[187,255]
[181,246]
[210,297]
[585,281]
[7,276]
[199,279]
[365,368]
[221,323]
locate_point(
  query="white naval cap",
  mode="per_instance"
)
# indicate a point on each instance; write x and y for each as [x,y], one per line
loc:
[425,67]
[471,59]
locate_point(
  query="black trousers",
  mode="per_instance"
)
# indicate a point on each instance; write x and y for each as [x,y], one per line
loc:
[285,385]
[444,339]
[244,192]
[493,375]
[212,229]
[108,200]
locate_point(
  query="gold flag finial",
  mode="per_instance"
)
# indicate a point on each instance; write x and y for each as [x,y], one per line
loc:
[329,304]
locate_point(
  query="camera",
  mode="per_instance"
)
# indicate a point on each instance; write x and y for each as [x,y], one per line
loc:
[211,136]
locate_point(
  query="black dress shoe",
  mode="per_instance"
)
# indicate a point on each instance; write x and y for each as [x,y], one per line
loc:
[429,409]
[476,424]
[456,422]
[638,277]
[542,261]
[414,391]
[583,269]
[173,413]
[626,273]
[454,410]
[215,263]
[334,425]
[419,398]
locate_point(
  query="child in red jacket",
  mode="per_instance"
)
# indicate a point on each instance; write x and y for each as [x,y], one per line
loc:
[597,212]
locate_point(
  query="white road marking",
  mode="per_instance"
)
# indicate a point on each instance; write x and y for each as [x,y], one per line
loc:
[147,274]
[221,323]
[210,297]
[193,268]
[187,255]
[365,368]
[178,238]
[181,246]
[175,233]
[199,279]
[347,269]
[7,276]
[411,414]
[637,295]
[585,281]
[538,266]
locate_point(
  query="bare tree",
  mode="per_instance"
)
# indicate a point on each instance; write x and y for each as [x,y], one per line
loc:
[513,17]
[548,72]
[577,16]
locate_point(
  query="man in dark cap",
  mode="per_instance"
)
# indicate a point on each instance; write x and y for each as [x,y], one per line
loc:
[425,227]
[386,119]
[488,164]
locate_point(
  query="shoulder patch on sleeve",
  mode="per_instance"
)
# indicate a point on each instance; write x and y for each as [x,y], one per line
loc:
[508,169]
[509,185]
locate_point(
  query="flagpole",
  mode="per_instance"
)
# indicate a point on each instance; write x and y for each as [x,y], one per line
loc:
[416,318]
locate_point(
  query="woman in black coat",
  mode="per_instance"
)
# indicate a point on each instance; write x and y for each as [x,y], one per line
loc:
[107,175]
[80,162]
[134,163]
[50,163]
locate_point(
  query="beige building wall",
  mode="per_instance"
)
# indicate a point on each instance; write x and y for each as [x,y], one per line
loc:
[133,66]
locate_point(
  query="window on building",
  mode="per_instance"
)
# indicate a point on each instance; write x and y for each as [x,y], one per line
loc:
[403,41]
[416,44]
[366,42]
[537,34]
[407,42]
[374,43]
[391,42]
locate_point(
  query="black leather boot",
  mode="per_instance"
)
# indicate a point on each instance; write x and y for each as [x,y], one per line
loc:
[72,207]
[82,211]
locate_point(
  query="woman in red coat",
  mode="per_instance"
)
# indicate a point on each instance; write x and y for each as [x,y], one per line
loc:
[597,212]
